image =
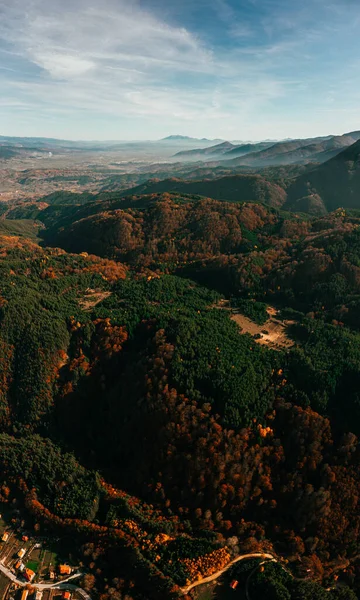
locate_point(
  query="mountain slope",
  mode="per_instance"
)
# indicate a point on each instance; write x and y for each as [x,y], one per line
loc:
[222,148]
[333,184]
[247,149]
[236,188]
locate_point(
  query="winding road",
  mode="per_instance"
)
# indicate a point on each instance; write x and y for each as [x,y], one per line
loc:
[60,585]
[218,574]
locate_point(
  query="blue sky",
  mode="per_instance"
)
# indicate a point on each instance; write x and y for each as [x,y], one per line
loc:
[144,69]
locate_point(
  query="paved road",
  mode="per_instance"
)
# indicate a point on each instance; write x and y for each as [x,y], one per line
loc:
[70,587]
[61,585]
[219,573]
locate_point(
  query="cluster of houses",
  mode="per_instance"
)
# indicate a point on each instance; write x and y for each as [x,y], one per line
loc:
[63,570]
[6,535]
[29,575]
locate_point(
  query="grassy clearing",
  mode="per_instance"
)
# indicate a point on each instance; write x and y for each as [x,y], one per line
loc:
[273,333]
[33,565]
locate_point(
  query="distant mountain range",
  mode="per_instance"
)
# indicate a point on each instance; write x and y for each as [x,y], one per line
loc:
[222,150]
[217,150]
[186,138]
[185,149]
[158,148]
[263,154]
[298,151]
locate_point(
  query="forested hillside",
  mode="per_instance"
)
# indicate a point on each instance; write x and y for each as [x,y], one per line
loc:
[164,228]
[138,417]
[236,188]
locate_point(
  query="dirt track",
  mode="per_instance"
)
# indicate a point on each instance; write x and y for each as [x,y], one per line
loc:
[92,299]
[187,589]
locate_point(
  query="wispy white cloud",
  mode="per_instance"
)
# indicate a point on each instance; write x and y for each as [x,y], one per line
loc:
[71,40]
[123,60]
[61,65]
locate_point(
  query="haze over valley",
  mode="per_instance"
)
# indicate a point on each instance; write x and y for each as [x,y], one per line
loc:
[179,300]
[295,174]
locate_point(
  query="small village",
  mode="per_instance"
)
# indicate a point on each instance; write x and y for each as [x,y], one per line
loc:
[30,569]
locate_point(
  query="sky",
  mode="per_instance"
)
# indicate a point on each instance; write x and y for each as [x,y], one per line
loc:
[145,69]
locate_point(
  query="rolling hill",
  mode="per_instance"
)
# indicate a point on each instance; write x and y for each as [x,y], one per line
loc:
[247,149]
[235,188]
[329,186]
[218,149]
[224,150]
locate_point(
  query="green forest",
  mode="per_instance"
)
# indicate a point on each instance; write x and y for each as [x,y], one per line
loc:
[138,415]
